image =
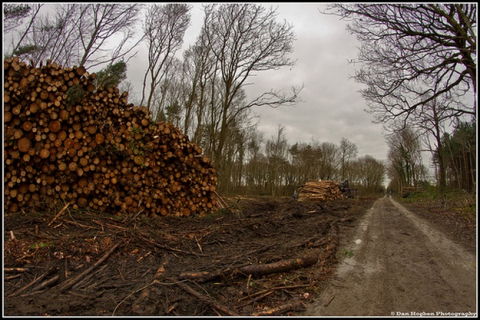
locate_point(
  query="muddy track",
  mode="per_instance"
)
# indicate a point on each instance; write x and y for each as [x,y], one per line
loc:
[401,266]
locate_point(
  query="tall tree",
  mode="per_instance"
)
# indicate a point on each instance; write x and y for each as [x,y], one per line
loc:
[460,156]
[276,150]
[77,34]
[164,28]
[405,163]
[98,22]
[200,67]
[13,15]
[348,152]
[371,173]
[431,119]
[412,54]
[245,38]
[255,173]
[13,19]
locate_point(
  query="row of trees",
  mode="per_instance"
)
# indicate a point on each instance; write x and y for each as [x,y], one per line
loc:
[418,62]
[274,167]
[77,34]
[405,166]
[202,93]
[460,156]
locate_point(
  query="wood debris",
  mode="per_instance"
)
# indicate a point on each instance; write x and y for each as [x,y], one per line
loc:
[69,142]
[322,190]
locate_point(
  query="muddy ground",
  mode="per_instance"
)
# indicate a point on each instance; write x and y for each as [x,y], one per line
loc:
[86,263]
[401,265]
[262,257]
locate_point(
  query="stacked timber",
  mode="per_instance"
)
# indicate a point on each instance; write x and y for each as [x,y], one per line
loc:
[66,141]
[323,191]
[408,191]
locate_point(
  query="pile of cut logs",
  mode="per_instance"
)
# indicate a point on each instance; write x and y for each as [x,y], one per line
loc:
[322,190]
[68,142]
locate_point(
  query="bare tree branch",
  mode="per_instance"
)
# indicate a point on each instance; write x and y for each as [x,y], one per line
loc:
[412,54]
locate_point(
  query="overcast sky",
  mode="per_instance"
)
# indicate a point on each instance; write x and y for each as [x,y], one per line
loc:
[332,108]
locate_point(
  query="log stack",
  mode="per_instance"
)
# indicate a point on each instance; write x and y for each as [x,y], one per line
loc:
[323,191]
[66,141]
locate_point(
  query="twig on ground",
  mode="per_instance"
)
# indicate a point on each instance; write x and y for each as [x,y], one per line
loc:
[207,300]
[279,310]
[59,213]
[131,294]
[32,283]
[69,283]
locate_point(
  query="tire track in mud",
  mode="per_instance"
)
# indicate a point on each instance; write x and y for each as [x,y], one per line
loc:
[401,265]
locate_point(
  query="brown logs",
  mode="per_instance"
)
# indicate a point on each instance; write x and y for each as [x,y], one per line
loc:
[323,190]
[67,142]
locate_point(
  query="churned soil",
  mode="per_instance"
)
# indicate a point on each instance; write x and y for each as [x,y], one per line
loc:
[401,264]
[262,256]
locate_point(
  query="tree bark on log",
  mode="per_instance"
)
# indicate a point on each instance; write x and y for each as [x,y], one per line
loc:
[254,269]
[280,266]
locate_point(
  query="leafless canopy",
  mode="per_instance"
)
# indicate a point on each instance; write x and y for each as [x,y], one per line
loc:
[413,54]
[77,33]
[245,38]
[164,28]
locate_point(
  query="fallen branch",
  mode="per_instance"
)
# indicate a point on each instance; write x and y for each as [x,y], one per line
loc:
[206,300]
[58,214]
[131,294]
[254,269]
[171,249]
[256,299]
[32,283]
[273,289]
[69,283]
[221,204]
[15,270]
[47,283]
[279,310]
[203,276]
[280,266]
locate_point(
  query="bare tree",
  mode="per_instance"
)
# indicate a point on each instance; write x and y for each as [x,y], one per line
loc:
[245,38]
[404,157]
[53,38]
[201,66]
[347,151]
[98,22]
[164,28]
[255,174]
[13,15]
[78,33]
[371,173]
[412,54]
[276,150]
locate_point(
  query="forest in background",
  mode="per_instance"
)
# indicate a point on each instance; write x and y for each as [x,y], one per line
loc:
[203,94]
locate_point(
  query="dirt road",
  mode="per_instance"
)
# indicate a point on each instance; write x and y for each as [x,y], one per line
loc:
[401,266]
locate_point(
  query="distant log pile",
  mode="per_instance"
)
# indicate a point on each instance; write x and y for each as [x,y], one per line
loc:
[66,141]
[323,190]
[408,191]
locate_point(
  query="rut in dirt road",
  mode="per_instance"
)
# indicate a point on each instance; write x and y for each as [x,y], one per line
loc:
[401,265]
